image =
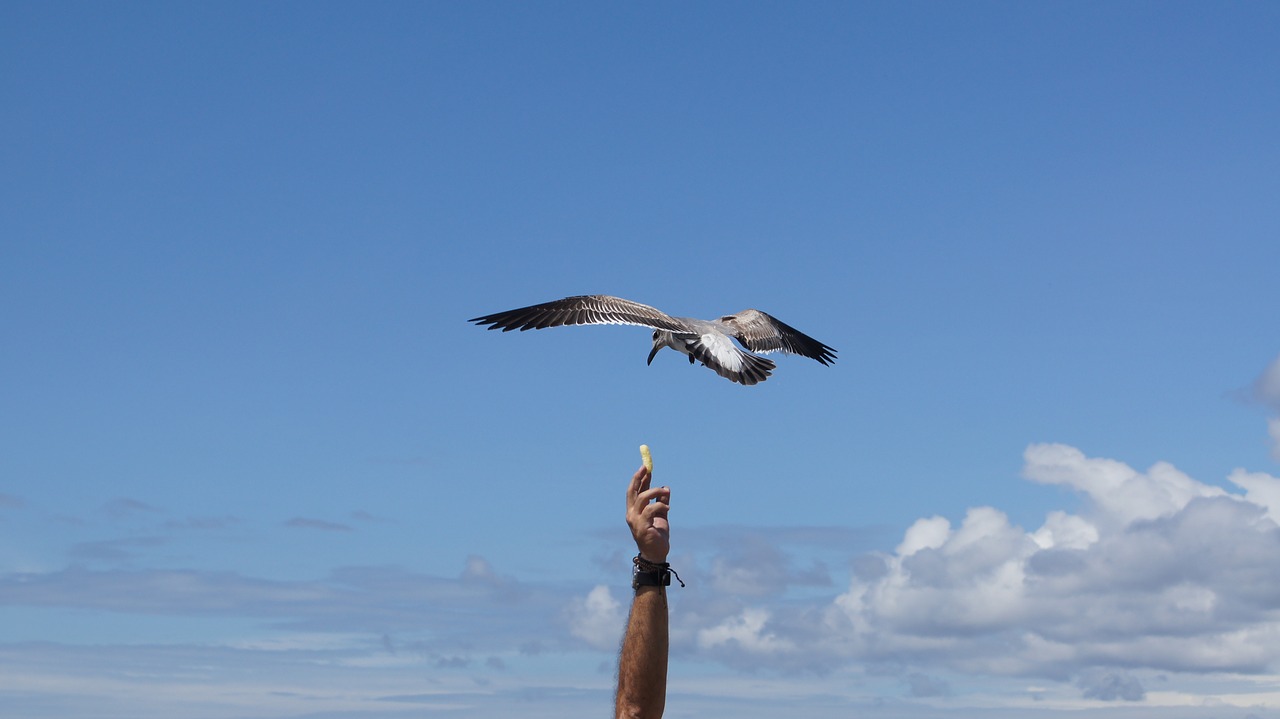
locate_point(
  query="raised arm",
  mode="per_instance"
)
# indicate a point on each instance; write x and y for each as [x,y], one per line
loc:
[642,665]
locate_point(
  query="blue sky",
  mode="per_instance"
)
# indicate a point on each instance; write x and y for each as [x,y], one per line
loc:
[256,464]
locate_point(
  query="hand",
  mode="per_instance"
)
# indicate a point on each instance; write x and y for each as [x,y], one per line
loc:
[647,516]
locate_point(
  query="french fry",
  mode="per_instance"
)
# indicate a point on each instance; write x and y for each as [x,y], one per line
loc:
[646,458]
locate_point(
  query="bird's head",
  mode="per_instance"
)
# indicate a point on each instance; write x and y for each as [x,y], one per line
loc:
[661,338]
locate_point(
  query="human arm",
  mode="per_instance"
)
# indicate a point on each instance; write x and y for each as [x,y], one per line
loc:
[642,664]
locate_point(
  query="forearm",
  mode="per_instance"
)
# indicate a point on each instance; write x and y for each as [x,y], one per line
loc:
[642,665]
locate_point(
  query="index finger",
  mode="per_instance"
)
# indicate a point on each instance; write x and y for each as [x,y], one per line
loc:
[639,483]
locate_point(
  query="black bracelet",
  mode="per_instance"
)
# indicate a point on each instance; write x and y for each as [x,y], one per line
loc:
[651,574]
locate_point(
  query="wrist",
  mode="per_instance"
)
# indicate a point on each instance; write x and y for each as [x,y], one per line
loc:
[647,573]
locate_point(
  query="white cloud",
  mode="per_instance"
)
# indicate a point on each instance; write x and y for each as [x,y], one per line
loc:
[745,632]
[1065,531]
[597,619]
[1260,489]
[1161,573]
[1120,492]
[928,533]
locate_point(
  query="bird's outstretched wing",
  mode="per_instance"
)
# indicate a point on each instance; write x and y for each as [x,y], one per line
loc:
[760,332]
[581,310]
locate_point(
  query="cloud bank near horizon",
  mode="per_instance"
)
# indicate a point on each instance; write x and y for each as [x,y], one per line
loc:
[1157,573]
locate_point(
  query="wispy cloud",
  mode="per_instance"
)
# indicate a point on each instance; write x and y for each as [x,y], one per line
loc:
[923,685]
[477,609]
[1266,389]
[763,570]
[152,682]
[125,507]
[115,550]
[361,515]
[202,523]
[323,525]
[1110,685]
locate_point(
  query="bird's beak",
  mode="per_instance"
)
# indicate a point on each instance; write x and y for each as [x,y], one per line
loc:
[653,352]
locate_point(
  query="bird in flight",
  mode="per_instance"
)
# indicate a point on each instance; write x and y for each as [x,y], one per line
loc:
[707,341]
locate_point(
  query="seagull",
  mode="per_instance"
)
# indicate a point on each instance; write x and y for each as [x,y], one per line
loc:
[707,341]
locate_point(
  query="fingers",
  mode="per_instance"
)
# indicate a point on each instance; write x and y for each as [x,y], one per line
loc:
[650,510]
[655,510]
[657,494]
[639,482]
[647,506]
[638,486]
